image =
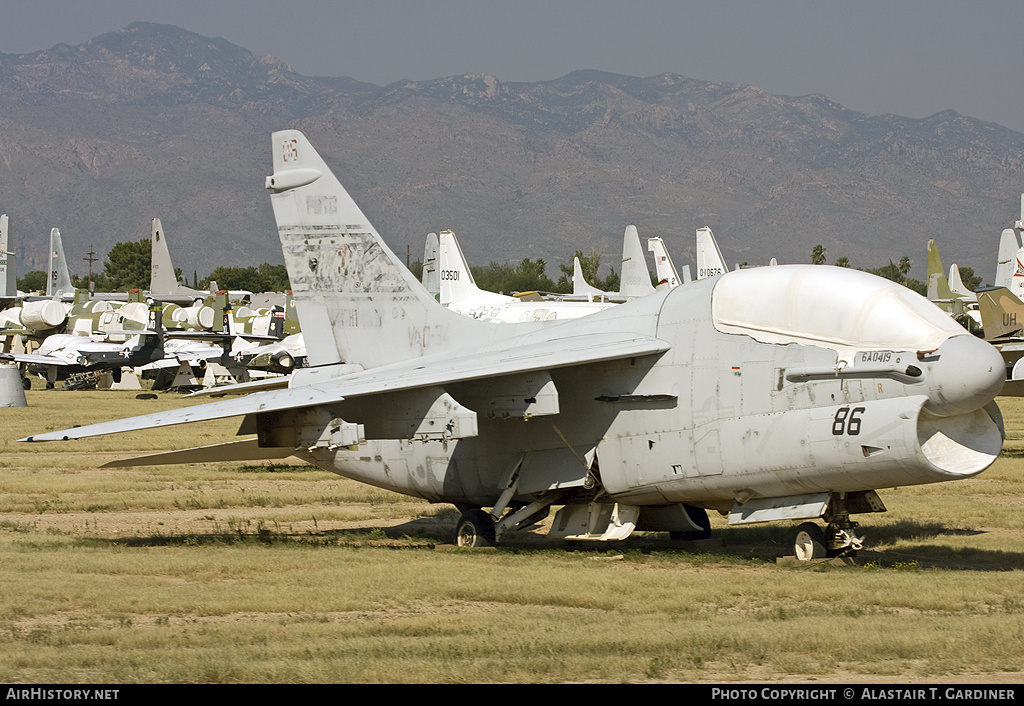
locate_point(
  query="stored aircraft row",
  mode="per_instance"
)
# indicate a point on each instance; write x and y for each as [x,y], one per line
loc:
[796,404]
[67,335]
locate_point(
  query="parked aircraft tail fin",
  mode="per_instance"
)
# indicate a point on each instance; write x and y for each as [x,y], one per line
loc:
[430,276]
[59,281]
[1005,262]
[1002,314]
[579,283]
[635,278]
[457,285]
[663,265]
[709,258]
[161,270]
[8,279]
[956,285]
[938,285]
[356,301]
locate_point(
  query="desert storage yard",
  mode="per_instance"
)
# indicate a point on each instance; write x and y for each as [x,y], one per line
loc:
[282,573]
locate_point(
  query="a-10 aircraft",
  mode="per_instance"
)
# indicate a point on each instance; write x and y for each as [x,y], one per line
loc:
[796,404]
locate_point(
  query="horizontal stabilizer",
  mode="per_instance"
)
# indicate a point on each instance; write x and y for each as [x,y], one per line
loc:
[244,450]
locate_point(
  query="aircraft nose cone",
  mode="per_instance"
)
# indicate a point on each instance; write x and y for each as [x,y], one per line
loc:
[967,374]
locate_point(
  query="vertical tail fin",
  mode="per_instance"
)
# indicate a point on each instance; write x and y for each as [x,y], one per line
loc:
[430,276]
[458,287]
[356,301]
[1005,264]
[579,284]
[635,278]
[956,285]
[1002,314]
[663,265]
[161,270]
[709,258]
[938,285]
[59,281]
[8,279]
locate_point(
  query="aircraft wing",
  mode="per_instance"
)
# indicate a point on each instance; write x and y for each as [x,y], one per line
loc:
[488,362]
[36,358]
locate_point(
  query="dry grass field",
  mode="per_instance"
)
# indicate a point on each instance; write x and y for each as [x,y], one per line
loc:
[279,573]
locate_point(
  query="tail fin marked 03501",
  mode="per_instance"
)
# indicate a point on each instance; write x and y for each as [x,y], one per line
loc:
[346,282]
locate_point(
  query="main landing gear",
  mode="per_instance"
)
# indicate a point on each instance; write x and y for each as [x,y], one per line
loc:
[475,529]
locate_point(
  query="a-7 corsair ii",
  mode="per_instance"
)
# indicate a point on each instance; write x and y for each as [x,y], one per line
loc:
[793,404]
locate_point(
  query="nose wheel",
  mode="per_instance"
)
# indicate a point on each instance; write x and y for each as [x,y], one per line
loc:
[813,543]
[810,542]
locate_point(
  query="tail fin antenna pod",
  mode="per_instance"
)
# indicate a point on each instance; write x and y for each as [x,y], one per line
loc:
[635,277]
[356,302]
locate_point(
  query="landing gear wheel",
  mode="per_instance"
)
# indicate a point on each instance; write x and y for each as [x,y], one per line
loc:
[810,542]
[475,529]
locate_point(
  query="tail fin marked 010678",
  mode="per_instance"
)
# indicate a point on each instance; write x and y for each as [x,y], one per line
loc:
[356,301]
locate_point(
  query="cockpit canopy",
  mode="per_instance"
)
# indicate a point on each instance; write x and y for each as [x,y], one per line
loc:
[833,307]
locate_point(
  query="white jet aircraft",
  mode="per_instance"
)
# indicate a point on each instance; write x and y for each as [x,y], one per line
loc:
[634,278]
[459,292]
[792,405]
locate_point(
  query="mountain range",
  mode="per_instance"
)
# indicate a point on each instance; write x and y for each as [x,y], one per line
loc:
[155,121]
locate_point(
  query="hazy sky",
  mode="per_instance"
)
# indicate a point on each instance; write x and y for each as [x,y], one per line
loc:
[909,57]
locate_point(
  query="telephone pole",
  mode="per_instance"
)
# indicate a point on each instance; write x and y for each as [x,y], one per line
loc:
[91,259]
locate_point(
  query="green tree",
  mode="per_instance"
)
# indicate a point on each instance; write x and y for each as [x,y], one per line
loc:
[527,276]
[589,264]
[970,280]
[818,255]
[34,281]
[842,261]
[265,278]
[905,265]
[895,273]
[128,266]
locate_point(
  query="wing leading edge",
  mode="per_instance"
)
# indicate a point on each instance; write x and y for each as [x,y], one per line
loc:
[493,362]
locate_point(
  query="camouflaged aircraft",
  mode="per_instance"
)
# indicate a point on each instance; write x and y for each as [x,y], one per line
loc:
[795,404]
